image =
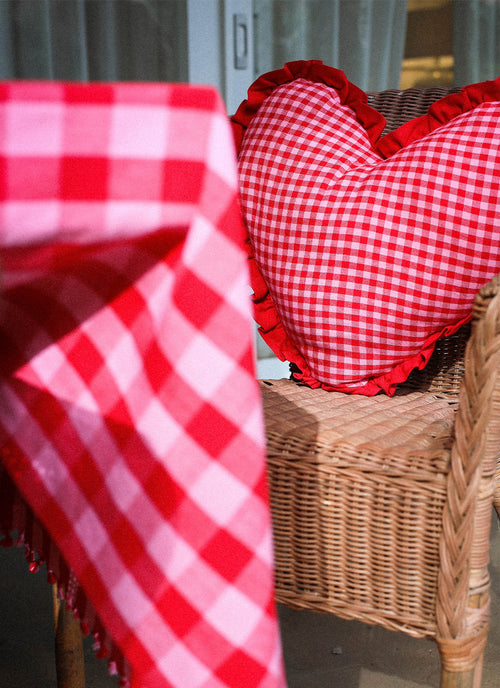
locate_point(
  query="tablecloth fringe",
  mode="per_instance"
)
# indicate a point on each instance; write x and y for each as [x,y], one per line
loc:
[20,528]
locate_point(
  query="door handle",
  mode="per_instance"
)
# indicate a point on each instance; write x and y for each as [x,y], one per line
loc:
[240,41]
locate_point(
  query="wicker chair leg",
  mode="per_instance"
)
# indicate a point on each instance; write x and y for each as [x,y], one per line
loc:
[468,679]
[70,667]
[496,494]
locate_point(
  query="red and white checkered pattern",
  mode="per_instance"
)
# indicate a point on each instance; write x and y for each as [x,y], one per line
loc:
[368,260]
[130,419]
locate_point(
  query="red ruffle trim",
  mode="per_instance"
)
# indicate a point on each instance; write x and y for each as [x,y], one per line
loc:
[313,70]
[441,112]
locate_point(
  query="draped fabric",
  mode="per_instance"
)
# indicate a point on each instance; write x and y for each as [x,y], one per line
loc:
[130,417]
[476,40]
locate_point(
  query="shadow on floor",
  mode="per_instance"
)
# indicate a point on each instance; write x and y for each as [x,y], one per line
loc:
[320,650]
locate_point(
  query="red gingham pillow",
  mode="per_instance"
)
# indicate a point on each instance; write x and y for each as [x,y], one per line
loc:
[365,250]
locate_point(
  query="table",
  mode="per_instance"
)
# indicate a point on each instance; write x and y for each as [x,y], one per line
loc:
[131,431]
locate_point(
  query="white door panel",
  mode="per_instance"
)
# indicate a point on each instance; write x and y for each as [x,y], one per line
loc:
[220,46]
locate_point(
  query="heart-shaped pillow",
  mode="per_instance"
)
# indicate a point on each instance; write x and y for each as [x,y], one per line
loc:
[365,250]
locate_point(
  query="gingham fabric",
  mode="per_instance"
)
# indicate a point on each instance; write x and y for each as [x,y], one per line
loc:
[131,434]
[370,248]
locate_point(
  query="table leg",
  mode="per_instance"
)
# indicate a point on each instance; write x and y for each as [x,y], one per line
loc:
[68,647]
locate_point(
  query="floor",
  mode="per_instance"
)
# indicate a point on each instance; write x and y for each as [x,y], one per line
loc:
[320,651]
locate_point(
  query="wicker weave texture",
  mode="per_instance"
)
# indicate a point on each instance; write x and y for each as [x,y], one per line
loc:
[347,510]
[400,106]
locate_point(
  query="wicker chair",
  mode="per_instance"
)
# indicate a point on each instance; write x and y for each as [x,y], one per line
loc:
[382,506]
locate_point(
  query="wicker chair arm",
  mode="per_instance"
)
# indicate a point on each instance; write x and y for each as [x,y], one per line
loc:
[481,384]
[467,514]
[487,306]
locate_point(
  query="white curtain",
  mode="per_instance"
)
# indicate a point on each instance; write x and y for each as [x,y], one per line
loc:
[148,39]
[98,40]
[476,40]
[364,38]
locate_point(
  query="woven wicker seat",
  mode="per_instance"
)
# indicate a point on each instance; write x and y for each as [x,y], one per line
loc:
[382,506]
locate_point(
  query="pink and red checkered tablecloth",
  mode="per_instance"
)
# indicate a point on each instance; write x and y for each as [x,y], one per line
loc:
[131,434]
